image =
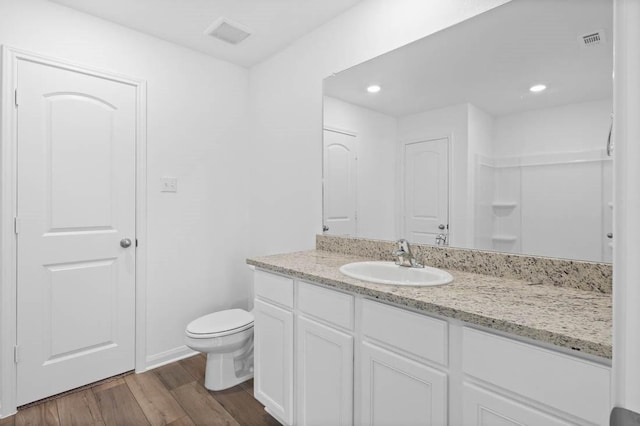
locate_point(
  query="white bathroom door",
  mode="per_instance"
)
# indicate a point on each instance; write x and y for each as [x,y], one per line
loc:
[426,190]
[340,178]
[76,205]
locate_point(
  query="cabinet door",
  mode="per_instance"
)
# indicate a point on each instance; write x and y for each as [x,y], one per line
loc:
[398,391]
[324,375]
[568,384]
[484,408]
[273,363]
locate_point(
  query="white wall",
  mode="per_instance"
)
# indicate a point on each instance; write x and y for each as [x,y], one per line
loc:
[286,109]
[451,122]
[565,128]
[376,135]
[197,121]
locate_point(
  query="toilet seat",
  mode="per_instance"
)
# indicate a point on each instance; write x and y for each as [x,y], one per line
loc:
[220,323]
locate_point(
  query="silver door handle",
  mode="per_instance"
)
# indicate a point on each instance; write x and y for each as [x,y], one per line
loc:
[125,242]
[441,226]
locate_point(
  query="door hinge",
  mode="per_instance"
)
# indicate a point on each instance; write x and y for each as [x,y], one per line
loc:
[15,97]
[16,225]
[136,242]
[16,354]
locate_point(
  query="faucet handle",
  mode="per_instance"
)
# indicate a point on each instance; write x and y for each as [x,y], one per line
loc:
[404,255]
[415,263]
[403,245]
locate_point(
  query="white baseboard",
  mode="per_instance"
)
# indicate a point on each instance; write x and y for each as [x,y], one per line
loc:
[166,357]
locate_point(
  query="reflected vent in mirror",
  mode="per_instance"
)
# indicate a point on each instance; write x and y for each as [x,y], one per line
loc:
[227,30]
[592,39]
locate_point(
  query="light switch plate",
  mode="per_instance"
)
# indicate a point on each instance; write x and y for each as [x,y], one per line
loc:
[168,184]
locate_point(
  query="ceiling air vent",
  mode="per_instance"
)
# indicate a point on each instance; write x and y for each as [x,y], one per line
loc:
[592,39]
[227,30]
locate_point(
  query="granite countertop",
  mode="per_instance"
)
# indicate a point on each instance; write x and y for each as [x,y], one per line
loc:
[575,319]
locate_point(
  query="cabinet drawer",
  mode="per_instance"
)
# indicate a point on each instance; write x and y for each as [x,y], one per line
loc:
[485,408]
[570,384]
[419,335]
[274,288]
[328,305]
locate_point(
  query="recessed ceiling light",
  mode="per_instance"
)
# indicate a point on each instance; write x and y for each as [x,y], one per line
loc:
[374,88]
[537,88]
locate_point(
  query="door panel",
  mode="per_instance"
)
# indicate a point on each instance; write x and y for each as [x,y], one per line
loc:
[92,282]
[340,176]
[324,374]
[399,391]
[76,201]
[87,173]
[426,190]
[273,361]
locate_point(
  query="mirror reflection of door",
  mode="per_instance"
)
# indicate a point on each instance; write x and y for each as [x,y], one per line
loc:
[340,178]
[426,190]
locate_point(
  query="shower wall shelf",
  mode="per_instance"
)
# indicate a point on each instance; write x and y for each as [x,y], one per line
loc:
[506,238]
[504,205]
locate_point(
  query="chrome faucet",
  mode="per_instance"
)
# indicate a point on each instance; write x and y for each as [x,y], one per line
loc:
[405,256]
[441,239]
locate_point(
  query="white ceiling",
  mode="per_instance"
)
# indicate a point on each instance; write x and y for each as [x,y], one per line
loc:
[274,23]
[491,61]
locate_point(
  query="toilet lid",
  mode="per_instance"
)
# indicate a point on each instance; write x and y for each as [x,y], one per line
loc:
[219,322]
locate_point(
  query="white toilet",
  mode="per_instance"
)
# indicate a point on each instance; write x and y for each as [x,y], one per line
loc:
[227,339]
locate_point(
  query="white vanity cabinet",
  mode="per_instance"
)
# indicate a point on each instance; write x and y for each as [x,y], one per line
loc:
[399,382]
[273,344]
[306,380]
[326,357]
[574,388]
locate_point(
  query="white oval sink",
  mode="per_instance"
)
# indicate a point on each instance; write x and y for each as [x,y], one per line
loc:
[390,273]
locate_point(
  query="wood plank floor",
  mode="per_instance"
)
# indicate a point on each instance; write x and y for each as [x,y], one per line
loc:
[173,394]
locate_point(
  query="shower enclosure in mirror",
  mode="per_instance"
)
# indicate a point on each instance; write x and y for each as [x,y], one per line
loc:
[490,134]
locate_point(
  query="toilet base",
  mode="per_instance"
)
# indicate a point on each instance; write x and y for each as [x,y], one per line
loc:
[220,373]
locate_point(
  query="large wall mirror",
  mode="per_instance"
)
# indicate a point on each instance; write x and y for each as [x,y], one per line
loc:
[490,134]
